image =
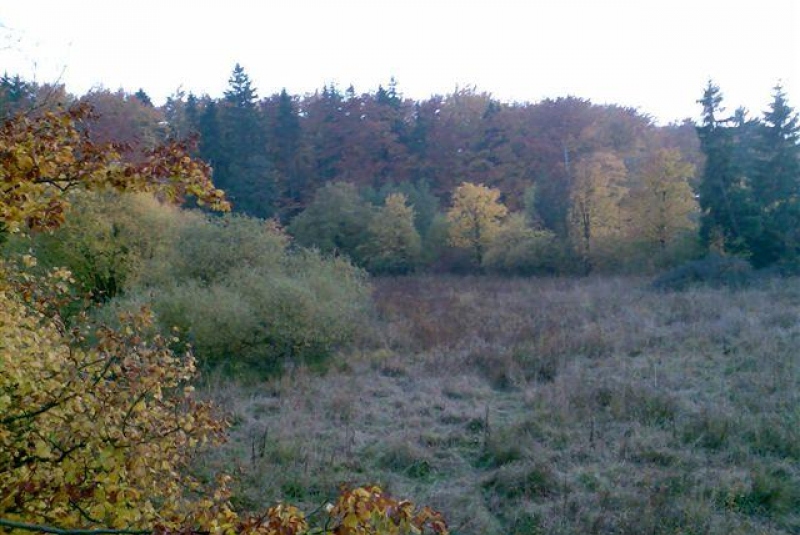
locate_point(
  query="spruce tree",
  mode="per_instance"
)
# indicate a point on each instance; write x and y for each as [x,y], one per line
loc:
[776,185]
[721,195]
[248,174]
[286,132]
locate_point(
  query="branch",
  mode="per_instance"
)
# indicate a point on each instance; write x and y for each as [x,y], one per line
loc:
[36,412]
[59,531]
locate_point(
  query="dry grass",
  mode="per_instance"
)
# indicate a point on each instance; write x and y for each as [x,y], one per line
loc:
[546,406]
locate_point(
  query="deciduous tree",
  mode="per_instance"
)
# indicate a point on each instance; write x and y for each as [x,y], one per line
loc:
[595,211]
[393,244]
[661,202]
[475,217]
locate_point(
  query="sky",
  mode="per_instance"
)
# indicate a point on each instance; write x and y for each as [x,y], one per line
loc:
[652,55]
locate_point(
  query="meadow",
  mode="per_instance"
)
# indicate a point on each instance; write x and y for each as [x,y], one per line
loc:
[560,405]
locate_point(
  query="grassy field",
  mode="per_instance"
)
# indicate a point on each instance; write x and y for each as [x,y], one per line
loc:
[544,406]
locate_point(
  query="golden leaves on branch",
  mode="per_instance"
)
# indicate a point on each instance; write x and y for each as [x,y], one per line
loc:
[44,156]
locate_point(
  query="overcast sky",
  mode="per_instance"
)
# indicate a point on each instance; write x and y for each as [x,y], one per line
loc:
[654,55]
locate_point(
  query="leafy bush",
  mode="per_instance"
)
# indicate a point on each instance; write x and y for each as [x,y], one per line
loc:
[518,249]
[242,298]
[713,270]
[335,221]
[208,250]
[109,240]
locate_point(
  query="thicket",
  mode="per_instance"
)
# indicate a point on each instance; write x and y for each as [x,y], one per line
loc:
[235,288]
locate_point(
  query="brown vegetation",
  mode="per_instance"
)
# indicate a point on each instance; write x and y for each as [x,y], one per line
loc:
[545,406]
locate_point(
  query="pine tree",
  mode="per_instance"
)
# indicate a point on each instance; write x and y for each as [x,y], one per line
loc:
[211,141]
[16,95]
[143,97]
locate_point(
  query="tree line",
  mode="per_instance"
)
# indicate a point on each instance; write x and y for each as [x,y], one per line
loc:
[583,187]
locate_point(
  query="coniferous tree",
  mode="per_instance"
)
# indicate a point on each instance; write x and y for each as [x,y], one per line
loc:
[249,174]
[16,95]
[721,192]
[192,113]
[287,134]
[143,97]
[776,185]
[211,149]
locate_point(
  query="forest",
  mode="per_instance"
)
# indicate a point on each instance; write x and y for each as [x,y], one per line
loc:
[353,313]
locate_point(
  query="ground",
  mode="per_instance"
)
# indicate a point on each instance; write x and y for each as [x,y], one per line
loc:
[594,405]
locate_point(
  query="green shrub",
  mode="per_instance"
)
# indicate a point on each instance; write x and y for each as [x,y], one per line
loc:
[209,249]
[335,221]
[523,479]
[244,300]
[713,270]
[393,244]
[109,240]
[518,249]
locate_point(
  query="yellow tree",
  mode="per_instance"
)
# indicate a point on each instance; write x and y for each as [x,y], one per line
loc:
[662,202]
[475,217]
[595,209]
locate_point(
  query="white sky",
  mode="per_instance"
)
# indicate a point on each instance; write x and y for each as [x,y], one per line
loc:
[654,55]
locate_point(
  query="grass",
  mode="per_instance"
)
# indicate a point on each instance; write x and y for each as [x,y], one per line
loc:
[545,406]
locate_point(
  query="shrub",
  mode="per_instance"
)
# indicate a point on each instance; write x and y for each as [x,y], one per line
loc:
[208,250]
[335,221]
[714,270]
[109,240]
[518,249]
[243,299]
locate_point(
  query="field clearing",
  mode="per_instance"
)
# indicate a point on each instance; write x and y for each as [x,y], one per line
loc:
[592,405]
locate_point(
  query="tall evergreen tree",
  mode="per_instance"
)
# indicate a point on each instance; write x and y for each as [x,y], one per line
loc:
[721,192]
[287,132]
[16,95]
[240,93]
[248,176]
[776,185]
[208,126]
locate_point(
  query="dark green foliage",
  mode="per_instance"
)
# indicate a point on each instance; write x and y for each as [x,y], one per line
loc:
[335,222]
[234,141]
[722,191]
[748,189]
[287,156]
[775,184]
[523,479]
[770,493]
[143,97]
[16,95]
[714,270]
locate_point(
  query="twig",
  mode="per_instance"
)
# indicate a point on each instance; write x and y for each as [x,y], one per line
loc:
[59,531]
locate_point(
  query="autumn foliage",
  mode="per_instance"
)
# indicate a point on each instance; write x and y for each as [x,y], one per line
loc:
[98,425]
[42,157]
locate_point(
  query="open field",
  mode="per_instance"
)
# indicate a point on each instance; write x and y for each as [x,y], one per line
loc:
[545,406]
